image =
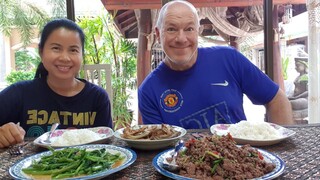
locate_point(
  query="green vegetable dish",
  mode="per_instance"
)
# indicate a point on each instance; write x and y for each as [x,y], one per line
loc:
[73,162]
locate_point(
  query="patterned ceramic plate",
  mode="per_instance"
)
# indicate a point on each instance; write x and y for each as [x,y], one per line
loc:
[222,129]
[145,144]
[278,170]
[130,156]
[104,132]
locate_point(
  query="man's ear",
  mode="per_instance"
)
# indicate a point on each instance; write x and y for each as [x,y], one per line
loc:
[157,31]
[200,30]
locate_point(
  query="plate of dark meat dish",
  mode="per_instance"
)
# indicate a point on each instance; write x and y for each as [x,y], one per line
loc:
[218,157]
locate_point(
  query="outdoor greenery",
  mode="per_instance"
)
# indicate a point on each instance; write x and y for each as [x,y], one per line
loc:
[24,16]
[26,65]
[285,65]
[26,60]
[16,76]
[105,45]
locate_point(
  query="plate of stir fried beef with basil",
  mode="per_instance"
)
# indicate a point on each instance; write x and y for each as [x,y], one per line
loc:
[218,158]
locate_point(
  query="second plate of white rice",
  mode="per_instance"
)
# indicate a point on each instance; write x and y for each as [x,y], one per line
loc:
[253,133]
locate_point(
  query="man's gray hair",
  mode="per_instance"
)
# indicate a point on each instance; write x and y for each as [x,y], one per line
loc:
[164,8]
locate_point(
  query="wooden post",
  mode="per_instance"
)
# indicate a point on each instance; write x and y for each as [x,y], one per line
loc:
[70,10]
[268,37]
[277,64]
[144,54]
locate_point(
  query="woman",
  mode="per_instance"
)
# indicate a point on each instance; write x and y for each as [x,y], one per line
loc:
[29,108]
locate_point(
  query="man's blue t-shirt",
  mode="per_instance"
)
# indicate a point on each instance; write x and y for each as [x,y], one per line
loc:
[36,107]
[210,92]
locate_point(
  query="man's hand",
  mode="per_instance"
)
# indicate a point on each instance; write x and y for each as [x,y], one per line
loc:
[11,134]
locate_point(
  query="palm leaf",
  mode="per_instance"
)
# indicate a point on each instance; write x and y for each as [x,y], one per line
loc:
[14,13]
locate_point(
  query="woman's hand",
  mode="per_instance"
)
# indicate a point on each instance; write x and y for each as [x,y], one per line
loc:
[11,134]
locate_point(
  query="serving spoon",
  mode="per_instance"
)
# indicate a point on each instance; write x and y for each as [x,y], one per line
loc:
[53,128]
[172,166]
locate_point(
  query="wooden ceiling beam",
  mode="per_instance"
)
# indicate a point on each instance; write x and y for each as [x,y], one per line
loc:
[132,31]
[156,4]
[124,14]
[125,25]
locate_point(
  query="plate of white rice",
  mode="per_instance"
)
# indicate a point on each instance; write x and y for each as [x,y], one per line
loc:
[253,133]
[73,137]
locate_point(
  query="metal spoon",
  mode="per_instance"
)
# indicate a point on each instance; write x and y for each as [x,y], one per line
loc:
[172,166]
[53,128]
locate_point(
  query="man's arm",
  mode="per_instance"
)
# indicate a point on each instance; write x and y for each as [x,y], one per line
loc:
[279,109]
[148,110]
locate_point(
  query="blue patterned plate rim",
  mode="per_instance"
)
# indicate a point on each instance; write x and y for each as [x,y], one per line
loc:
[269,157]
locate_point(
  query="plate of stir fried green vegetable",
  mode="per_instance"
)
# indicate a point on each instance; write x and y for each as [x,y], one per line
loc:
[78,162]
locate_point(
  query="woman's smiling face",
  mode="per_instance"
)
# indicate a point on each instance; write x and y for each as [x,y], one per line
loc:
[62,54]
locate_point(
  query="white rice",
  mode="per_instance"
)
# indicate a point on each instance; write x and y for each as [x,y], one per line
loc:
[254,131]
[76,137]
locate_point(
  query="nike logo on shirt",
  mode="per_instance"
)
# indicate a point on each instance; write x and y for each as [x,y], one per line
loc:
[220,84]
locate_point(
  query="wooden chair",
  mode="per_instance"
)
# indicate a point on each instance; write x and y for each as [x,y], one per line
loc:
[99,74]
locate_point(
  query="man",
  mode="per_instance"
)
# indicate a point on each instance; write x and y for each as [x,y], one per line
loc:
[198,87]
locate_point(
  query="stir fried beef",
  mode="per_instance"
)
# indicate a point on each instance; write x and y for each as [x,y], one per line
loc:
[218,157]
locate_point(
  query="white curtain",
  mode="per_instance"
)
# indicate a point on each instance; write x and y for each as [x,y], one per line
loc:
[313,7]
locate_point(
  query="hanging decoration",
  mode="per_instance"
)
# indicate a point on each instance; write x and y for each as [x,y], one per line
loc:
[286,18]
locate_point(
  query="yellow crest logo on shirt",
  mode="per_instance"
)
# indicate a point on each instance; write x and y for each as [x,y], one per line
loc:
[171,100]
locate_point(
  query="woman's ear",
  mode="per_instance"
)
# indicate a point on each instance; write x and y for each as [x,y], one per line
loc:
[40,54]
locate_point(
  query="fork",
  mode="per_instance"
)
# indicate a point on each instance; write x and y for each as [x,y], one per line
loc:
[17,149]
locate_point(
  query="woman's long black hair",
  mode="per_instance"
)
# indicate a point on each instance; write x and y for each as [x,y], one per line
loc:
[47,30]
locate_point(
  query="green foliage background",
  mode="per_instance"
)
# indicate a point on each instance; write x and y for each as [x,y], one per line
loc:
[105,45]
[26,65]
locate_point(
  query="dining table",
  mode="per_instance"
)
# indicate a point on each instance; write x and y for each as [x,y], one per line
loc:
[300,153]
